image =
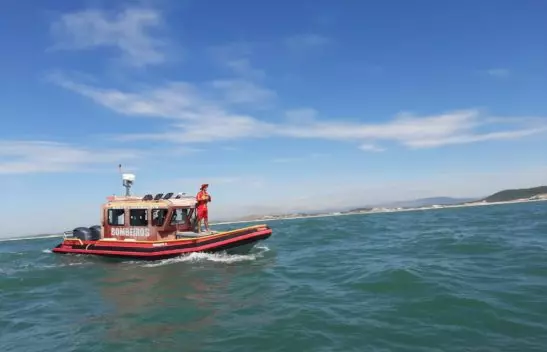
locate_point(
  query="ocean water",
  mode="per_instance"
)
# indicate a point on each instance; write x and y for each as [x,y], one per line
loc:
[469,279]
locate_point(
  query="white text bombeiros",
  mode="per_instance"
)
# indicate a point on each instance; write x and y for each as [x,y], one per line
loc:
[131,231]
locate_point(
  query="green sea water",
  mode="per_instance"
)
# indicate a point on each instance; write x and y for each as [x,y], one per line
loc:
[468,279]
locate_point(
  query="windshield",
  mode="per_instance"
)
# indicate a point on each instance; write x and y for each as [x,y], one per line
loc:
[179,216]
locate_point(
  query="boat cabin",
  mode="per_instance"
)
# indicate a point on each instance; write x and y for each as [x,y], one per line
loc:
[150,218]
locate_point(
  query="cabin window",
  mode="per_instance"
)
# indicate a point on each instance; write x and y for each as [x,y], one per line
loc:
[179,216]
[138,217]
[158,216]
[116,217]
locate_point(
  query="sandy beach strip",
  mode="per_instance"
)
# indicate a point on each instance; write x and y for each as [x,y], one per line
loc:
[380,211]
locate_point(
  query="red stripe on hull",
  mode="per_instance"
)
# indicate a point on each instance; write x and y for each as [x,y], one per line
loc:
[160,253]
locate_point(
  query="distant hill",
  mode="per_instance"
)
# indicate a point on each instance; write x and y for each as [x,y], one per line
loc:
[415,203]
[506,195]
[423,202]
[514,194]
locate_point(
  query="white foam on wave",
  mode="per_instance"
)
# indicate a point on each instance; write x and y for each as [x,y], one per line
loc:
[28,238]
[16,253]
[27,267]
[47,251]
[62,265]
[213,257]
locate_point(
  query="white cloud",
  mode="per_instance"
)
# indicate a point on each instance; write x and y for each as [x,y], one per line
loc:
[199,117]
[415,131]
[18,157]
[213,127]
[128,31]
[403,127]
[177,100]
[470,138]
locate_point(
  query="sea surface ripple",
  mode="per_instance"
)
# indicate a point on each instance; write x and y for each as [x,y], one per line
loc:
[466,279]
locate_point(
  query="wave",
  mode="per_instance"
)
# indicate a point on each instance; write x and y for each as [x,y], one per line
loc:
[213,257]
[39,237]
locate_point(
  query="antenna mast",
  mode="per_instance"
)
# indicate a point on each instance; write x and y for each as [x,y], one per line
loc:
[127,181]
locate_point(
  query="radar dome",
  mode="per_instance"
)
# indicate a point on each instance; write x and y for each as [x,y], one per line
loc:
[128,177]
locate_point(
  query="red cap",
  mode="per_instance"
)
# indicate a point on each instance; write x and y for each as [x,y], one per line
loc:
[204,185]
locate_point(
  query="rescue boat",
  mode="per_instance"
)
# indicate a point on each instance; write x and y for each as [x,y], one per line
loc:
[154,227]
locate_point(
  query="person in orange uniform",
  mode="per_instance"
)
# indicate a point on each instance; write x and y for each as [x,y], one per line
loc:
[202,199]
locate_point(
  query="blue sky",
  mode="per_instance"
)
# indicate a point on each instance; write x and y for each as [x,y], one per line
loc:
[278,105]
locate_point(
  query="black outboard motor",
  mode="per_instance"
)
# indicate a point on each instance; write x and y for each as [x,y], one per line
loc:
[82,233]
[95,232]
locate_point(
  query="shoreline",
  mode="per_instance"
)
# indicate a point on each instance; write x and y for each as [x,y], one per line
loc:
[387,210]
[325,215]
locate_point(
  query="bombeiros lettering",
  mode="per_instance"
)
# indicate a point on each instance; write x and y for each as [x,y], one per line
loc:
[131,231]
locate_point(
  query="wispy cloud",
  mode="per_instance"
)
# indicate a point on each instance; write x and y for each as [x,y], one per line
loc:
[455,127]
[197,119]
[403,128]
[473,138]
[198,116]
[218,110]
[20,157]
[129,31]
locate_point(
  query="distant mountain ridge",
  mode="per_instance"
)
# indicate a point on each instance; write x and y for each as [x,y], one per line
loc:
[422,202]
[501,196]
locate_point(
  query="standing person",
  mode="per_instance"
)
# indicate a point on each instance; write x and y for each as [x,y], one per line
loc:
[202,199]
